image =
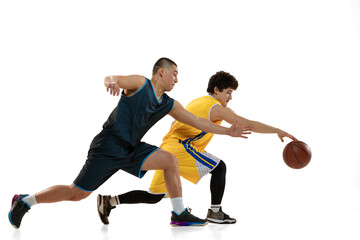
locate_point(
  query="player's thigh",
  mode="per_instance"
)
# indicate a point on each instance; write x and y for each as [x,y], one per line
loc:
[160,159]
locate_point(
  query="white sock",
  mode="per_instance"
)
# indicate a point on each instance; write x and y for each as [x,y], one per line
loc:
[178,205]
[215,208]
[114,201]
[30,200]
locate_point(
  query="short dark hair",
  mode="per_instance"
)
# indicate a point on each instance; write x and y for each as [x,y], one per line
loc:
[222,80]
[162,63]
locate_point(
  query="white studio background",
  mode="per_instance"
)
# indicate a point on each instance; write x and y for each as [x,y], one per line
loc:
[297,62]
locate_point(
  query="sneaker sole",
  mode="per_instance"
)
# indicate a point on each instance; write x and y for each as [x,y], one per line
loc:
[218,221]
[187,224]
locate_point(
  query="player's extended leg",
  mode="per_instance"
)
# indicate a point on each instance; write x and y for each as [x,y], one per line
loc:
[61,193]
[217,188]
[21,203]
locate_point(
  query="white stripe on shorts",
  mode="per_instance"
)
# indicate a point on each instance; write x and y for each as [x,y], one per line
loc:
[202,169]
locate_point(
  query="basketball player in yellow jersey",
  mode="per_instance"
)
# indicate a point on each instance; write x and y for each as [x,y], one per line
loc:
[188,145]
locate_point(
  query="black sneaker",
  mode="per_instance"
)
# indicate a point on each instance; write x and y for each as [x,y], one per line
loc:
[17,210]
[186,219]
[219,217]
[104,207]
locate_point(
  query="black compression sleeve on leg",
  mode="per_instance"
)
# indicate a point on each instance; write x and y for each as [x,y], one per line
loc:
[217,183]
[139,196]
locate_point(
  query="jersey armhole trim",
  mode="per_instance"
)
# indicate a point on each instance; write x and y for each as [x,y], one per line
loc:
[212,109]
[172,105]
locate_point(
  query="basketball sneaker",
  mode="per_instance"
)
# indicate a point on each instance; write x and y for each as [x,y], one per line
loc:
[18,210]
[104,207]
[219,217]
[186,219]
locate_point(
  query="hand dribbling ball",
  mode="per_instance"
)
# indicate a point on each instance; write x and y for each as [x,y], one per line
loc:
[297,154]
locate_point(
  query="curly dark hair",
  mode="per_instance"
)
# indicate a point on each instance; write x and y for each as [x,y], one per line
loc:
[222,80]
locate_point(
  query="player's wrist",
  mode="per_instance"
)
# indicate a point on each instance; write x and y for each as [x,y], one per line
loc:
[278,131]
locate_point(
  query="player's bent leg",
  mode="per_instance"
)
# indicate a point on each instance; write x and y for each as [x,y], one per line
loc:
[105,203]
[164,160]
[167,162]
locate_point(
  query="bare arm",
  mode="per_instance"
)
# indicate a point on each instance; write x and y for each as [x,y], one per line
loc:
[224,113]
[182,115]
[130,84]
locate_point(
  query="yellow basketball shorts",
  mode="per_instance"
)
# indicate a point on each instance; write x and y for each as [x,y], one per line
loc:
[193,164]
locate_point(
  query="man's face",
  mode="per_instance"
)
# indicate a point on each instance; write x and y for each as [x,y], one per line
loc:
[224,96]
[170,77]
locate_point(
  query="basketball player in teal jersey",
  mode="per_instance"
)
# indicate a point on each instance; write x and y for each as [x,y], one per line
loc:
[118,146]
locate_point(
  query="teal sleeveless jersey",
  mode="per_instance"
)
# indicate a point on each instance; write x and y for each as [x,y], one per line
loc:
[135,115]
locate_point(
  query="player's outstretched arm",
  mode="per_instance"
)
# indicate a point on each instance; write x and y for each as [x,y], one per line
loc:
[224,113]
[182,115]
[131,83]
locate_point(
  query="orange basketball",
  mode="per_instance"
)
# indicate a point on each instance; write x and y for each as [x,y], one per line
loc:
[297,154]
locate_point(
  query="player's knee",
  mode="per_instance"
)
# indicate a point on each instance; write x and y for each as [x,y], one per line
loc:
[173,162]
[170,163]
[223,166]
[155,198]
[78,195]
[220,168]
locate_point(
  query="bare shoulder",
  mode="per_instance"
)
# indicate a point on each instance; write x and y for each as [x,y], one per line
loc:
[219,112]
[137,80]
[131,83]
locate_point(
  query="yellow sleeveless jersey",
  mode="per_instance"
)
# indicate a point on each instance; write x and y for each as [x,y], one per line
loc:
[188,145]
[183,133]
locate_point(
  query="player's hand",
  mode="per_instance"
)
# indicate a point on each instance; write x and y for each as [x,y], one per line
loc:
[111,85]
[281,134]
[239,131]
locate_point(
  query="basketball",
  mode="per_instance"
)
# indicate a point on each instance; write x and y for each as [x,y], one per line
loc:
[297,154]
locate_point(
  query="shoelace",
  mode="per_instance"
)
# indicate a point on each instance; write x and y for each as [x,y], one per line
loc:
[188,209]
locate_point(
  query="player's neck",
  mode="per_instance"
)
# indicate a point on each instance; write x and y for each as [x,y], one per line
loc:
[212,95]
[158,89]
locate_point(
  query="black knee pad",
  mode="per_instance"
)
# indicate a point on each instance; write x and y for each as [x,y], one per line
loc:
[220,168]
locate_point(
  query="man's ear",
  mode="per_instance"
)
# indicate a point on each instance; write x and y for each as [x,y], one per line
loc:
[216,90]
[161,72]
